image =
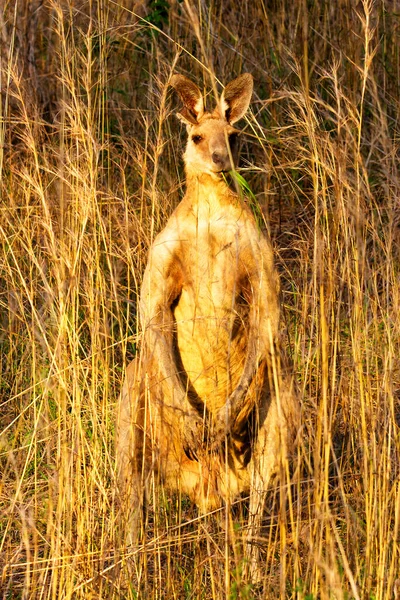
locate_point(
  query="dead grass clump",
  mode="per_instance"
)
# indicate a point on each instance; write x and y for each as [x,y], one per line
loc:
[90,170]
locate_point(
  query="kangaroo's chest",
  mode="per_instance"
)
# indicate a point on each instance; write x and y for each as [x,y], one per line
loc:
[213,265]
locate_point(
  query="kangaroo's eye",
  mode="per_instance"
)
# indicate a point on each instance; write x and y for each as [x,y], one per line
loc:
[196,139]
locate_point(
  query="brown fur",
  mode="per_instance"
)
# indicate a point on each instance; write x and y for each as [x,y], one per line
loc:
[207,405]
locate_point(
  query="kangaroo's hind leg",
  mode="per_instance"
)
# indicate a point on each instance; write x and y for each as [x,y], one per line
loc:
[129,452]
[275,439]
[263,467]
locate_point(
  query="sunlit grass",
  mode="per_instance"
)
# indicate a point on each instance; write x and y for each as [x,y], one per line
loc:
[90,167]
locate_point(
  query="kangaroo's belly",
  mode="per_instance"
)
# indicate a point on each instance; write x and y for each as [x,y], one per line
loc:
[211,343]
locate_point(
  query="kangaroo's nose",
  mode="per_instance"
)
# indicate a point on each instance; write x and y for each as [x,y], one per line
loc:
[216,157]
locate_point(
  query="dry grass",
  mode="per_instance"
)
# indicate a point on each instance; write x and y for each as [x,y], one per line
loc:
[90,171]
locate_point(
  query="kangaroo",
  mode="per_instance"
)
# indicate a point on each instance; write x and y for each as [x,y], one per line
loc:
[208,404]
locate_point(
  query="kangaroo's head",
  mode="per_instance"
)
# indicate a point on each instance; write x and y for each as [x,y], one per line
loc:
[212,145]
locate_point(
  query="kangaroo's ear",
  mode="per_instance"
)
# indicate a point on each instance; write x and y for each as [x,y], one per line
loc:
[236,97]
[189,93]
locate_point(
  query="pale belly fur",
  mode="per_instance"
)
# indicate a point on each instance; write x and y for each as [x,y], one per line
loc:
[211,326]
[211,342]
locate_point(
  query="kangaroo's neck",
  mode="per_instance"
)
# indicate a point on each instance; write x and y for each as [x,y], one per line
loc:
[208,190]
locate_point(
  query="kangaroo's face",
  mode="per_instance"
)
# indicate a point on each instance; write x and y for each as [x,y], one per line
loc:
[212,145]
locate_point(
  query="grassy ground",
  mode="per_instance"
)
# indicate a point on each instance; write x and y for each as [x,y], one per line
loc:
[90,168]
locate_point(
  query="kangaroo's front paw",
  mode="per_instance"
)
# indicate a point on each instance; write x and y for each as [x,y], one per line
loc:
[193,436]
[218,431]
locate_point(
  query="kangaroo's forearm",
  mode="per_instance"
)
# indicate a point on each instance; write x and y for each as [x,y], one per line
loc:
[238,404]
[159,343]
